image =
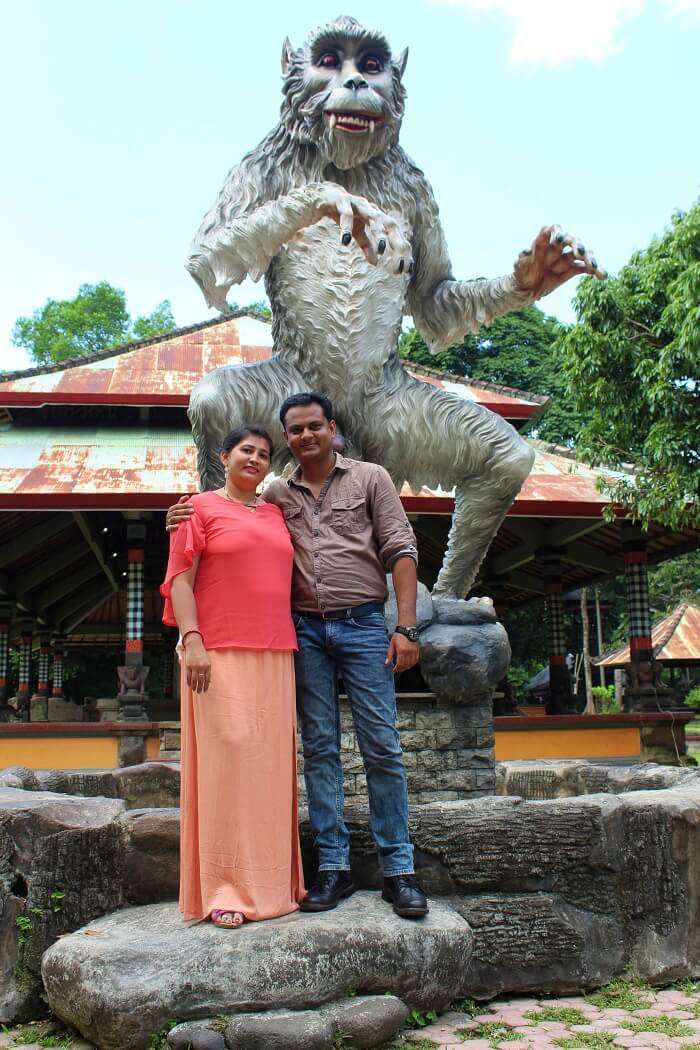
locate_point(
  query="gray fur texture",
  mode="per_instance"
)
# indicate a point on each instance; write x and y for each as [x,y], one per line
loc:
[338,307]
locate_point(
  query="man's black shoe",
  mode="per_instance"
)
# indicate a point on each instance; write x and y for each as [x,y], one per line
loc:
[327,890]
[406,896]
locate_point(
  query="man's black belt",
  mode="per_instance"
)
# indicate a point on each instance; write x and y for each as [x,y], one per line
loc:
[343,614]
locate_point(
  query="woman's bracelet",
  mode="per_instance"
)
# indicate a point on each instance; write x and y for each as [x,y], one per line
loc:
[192,630]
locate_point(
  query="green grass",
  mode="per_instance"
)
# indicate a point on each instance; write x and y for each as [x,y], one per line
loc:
[495,1031]
[663,1025]
[565,1014]
[621,994]
[420,1044]
[61,1040]
[687,986]
[416,1019]
[593,1040]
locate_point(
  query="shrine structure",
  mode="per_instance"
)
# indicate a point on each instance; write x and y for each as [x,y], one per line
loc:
[93,451]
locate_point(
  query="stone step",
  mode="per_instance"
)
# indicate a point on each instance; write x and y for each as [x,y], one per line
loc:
[119,979]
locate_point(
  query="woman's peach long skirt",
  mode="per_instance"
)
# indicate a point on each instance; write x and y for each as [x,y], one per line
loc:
[238,801]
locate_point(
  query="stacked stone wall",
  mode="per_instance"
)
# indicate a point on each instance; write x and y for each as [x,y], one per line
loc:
[447,747]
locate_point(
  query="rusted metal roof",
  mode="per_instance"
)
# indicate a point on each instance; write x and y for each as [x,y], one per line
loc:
[163,371]
[145,467]
[675,639]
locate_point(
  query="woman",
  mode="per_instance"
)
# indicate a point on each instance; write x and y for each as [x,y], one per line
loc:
[227,589]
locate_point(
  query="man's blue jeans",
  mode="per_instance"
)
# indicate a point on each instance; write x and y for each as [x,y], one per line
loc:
[357,650]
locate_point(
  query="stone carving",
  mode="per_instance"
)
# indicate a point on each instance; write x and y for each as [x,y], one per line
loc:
[345,229]
[132,679]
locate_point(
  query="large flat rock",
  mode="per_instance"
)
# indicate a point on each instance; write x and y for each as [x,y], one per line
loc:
[119,979]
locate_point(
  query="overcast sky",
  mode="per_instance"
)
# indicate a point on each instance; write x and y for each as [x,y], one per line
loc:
[121,119]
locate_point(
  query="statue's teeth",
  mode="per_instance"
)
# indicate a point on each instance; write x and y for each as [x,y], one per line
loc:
[333,120]
[371,126]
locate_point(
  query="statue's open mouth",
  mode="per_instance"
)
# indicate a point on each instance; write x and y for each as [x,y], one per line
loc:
[355,123]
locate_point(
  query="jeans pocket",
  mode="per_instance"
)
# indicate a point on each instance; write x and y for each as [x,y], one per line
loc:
[371,622]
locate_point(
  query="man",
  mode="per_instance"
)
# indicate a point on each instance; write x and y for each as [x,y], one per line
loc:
[348,529]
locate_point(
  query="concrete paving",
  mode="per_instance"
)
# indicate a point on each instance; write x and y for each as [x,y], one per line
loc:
[666,1019]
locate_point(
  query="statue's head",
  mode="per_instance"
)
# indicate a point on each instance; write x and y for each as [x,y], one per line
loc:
[343,93]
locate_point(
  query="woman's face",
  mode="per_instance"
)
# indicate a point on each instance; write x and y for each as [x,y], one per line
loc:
[248,462]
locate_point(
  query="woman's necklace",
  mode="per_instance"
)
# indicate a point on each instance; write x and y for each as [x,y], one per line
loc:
[240,502]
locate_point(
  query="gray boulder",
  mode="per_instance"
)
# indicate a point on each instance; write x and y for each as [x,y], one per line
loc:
[61,864]
[424,606]
[464,663]
[108,980]
[152,862]
[281,1030]
[466,613]
[149,784]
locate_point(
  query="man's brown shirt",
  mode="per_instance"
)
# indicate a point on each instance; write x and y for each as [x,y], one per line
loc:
[346,541]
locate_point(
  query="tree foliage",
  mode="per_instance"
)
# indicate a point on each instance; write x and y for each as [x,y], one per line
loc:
[517,350]
[631,365]
[96,318]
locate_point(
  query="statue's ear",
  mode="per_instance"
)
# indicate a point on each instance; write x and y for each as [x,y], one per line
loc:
[287,55]
[401,61]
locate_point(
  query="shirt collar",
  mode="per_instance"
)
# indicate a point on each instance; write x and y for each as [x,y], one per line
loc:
[341,463]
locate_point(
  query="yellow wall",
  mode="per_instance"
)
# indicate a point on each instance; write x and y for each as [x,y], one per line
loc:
[622,742]
[65,752]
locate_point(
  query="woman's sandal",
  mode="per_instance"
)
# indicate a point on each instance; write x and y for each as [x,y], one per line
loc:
[217,917]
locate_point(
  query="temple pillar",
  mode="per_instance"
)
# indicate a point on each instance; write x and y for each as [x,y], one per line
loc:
[39,703]
[25,629]
[133,674]
[561,698]
[5,619]
[58,651]
[166,672]
[643,690]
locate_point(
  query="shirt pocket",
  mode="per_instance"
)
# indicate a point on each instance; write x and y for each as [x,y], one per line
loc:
[293,519]
[348,515]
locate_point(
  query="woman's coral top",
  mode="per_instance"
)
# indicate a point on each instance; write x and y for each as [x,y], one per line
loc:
[243,582]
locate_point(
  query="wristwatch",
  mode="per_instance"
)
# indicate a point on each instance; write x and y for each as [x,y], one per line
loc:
[409,632]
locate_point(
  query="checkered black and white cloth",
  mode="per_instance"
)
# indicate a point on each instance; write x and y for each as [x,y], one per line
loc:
[25,662]
[638,599]
[4,649]
[555,620]
[134,602]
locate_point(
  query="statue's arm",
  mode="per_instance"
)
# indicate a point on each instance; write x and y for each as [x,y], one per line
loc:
[246,228]
[239,236]
[444,309]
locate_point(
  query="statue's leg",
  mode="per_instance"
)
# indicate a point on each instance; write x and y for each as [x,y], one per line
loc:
[237,394]
[429,436]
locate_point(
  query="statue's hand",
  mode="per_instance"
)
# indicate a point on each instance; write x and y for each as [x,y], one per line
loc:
[378,235]
[553,259]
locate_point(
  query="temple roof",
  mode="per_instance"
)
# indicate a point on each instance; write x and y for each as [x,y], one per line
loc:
[147,467]
[675,639]
[163,370]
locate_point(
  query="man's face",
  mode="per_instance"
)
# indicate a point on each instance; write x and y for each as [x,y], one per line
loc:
[309,435]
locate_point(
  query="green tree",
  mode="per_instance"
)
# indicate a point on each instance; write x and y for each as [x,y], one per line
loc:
[96,318]
[160,321]
[517,350]
[631,365]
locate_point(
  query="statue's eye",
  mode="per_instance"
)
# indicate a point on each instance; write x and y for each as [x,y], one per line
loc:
[371,65]
[328,61]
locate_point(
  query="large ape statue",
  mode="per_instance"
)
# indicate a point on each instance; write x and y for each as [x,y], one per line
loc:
[346,231]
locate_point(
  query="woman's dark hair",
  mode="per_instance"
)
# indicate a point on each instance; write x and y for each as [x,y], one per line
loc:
[303,401]
[240,433]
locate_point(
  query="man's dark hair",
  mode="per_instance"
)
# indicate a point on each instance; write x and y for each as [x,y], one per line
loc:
[303,400]
[240,433]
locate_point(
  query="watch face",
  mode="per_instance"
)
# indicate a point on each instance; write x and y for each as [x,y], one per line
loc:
[409,632]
